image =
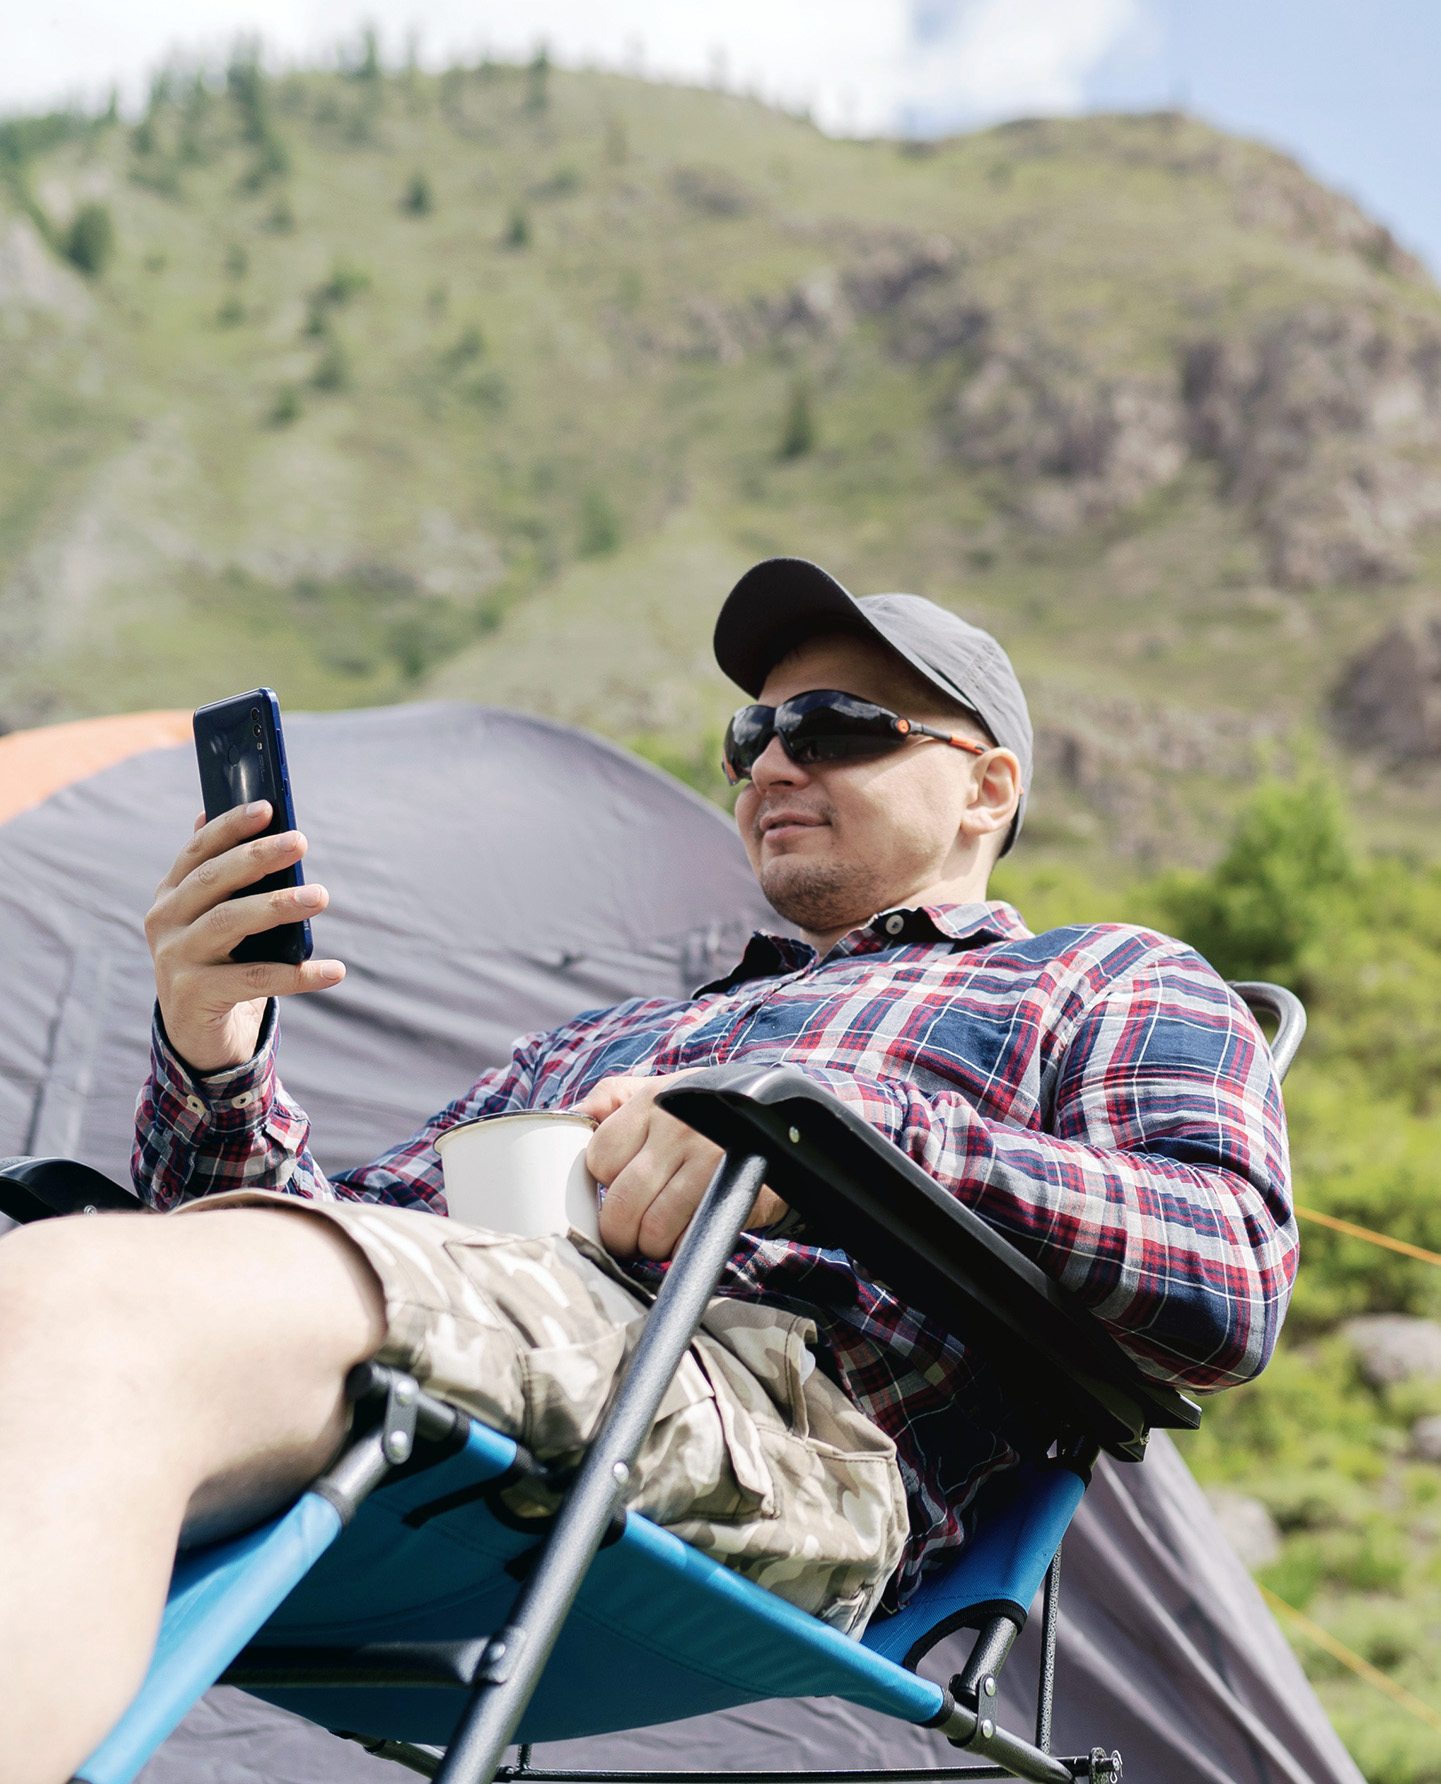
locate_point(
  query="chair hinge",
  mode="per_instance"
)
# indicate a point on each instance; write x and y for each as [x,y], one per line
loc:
[500,1655]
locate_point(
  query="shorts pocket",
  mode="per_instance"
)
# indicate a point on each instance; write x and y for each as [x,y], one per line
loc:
[566,1389]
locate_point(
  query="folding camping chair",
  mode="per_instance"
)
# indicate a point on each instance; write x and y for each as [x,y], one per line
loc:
[403,1602]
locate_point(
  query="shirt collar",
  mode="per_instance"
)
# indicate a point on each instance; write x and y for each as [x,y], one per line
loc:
[959,926]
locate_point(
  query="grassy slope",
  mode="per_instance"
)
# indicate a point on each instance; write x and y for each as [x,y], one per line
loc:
[522,440]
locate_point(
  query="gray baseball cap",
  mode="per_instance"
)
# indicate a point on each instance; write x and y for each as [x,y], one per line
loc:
[782,601]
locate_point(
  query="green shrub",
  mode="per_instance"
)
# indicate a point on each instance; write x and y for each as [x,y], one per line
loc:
[272,162]
[561,184]
[90,239]
[346,282]
[1264,904]
[286,408]
[1297,1575]
[537,81]
[517,228]
[488,391]
[698,764]
[1372,1559]
[332,370]
[798,430]
[599,525]
[418,200]
[469,345]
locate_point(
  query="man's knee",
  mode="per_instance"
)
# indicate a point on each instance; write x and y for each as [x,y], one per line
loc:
[222,1341]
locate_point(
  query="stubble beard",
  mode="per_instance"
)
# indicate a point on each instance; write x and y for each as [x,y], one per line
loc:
[821,896]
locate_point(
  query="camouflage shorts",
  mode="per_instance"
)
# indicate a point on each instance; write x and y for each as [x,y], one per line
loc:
[756,1458]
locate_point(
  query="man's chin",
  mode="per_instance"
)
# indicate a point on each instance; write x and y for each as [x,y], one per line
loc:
[819,896]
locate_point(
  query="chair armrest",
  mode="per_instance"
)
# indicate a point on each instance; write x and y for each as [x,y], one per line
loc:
[41,1188]
[862,1194]
[1262,998]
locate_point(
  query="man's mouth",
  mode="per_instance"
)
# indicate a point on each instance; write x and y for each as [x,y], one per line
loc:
[778,826]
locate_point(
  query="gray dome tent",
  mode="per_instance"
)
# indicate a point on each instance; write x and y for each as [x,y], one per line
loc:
[492,873]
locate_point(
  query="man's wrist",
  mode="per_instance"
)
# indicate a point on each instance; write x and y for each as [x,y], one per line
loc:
[233,1097]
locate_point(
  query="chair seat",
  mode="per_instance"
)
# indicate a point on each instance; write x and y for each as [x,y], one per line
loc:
[658,1632]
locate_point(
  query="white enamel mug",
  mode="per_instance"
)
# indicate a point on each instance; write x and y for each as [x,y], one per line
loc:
[522,1173]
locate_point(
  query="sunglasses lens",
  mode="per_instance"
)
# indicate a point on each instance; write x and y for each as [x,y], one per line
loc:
[831,726]
[841,745]
[821,726]
[747,735]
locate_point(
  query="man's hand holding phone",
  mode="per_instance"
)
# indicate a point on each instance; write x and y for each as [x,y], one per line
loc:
[213,1006]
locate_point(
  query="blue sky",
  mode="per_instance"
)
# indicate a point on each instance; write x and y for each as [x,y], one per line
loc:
[1353,90]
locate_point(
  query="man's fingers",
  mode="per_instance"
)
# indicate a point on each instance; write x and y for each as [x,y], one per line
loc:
[216,836]
[619,1137]
[628,1200]
[666,1219]
[243,980]
[609,1095]
[652,1196]
[213,880]
[219,930]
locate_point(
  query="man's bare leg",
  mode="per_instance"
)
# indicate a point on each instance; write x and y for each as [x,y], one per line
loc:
[158,1375]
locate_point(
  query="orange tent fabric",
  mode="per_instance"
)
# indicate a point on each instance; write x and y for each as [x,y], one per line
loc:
[35,764]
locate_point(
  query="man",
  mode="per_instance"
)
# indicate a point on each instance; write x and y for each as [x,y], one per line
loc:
[1095,1093]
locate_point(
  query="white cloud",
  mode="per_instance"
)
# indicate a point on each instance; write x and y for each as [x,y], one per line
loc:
[860,65]
[1004,57]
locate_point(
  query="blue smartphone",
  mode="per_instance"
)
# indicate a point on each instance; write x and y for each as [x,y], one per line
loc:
[240,747]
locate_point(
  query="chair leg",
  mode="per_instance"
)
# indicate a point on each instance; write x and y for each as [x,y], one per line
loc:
[1050,1618]
[515,1656]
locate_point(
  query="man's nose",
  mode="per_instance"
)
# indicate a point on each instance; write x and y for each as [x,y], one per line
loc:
[774,768]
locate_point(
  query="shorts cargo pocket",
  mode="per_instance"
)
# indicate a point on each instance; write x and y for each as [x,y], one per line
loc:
[773,1347]
[566,1388]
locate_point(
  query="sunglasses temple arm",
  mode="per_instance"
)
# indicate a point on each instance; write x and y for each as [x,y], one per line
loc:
[953,738]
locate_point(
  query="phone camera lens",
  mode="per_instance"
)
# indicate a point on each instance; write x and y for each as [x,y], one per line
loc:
[255,712]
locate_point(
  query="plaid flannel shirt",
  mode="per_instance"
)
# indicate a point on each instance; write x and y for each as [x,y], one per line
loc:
[1096,1094]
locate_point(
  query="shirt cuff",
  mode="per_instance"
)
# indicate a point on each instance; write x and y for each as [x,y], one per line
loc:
[235,1100]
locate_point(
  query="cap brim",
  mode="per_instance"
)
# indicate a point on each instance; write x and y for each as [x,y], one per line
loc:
[776,605]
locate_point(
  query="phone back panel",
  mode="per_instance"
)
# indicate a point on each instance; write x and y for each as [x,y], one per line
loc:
[240,749]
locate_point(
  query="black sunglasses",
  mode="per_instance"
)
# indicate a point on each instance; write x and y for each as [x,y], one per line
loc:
[823,725]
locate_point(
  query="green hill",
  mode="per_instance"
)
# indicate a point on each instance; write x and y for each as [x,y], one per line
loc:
[378,387]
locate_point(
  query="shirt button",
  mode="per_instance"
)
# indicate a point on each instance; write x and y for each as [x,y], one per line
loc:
[895,923]
[194,1104]
[243,1101]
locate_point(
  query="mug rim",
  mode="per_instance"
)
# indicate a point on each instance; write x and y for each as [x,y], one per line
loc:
[461,1127]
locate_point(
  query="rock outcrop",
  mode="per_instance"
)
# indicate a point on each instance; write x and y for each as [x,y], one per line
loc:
[1389,696]
[1326,425]
[1247,1525]
[1081,446]
[1395,1347]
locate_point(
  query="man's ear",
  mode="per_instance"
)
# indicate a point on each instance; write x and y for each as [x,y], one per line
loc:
[995,794]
